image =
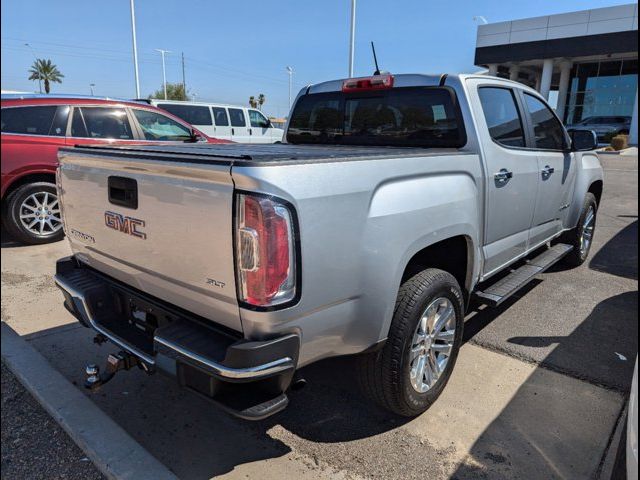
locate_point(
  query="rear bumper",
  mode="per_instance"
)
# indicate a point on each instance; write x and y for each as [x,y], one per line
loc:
[247,378]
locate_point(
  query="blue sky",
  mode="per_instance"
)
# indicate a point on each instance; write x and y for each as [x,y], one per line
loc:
[234,49]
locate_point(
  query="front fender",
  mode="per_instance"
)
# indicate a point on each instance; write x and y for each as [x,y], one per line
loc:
[589,171]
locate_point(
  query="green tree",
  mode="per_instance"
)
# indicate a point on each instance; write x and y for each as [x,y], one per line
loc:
[175,91]
[257,102]
[45,71]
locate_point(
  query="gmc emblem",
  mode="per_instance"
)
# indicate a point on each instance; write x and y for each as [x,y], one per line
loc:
[124,224]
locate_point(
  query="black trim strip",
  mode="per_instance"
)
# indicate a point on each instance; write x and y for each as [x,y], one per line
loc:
[602,44]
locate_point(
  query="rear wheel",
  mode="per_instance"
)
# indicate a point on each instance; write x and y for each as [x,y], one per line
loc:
[581,237]
[33,214]
[409,373]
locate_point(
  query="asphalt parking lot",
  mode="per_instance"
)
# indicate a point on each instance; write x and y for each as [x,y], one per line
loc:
[539,387]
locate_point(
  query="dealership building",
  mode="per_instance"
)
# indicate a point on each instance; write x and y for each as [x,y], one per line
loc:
[588,60]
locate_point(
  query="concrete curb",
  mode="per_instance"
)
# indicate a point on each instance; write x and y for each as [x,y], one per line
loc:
[114,452]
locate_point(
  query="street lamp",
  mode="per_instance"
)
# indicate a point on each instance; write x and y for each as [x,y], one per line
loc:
[290,72]
[135,47]
[352,37]
[91,85]
[36,58]
[164,71]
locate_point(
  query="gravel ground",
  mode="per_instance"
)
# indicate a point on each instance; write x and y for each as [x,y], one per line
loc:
[33,444]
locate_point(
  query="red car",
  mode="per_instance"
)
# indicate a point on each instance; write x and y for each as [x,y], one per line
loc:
[34,127]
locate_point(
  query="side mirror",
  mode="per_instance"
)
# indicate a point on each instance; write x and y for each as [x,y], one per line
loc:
[583,140]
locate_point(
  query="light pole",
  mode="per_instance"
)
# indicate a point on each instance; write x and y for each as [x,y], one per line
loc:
[91,85]
[36,58]
[164,71]
[352,37]
[135,47]
[290,72]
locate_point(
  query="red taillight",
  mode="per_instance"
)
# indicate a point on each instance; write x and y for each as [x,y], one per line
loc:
[377,82]
[265,251]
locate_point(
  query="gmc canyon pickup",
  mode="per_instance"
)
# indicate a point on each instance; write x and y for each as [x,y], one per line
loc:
[396,199]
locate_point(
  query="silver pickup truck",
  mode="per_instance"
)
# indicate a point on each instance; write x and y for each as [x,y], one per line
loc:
[396,201]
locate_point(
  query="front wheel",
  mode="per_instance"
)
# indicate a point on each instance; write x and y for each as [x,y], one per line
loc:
[33,214]
[581,237]
[409,373]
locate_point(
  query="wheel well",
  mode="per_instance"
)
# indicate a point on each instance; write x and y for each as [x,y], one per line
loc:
[596,189]
[32,178]
[450,255]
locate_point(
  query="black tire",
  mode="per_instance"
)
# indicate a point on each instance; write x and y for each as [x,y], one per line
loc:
[14,204]
[384,375]
[578,256]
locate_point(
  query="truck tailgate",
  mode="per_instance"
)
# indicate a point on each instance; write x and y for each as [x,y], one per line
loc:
[163,227]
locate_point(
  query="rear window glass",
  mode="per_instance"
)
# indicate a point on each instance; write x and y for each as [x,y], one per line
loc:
[28,120]
[416,116]
[98,122]
[193,114]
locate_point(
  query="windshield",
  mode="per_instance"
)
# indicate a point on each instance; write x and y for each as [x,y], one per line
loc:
[414,116]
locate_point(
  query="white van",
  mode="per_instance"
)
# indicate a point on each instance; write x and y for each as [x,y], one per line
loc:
[227,122]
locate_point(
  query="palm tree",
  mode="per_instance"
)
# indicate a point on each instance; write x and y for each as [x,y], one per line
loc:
[261,100]
[45,70]
[252,102]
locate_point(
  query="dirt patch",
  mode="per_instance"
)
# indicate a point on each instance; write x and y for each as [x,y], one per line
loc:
[33,444]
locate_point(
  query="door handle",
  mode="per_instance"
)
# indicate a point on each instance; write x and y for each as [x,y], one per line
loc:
[503,175]
[547,170]
[233,131]
[250,132]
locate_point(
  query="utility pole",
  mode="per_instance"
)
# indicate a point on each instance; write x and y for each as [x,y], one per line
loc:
[352,37]
[184,83]
[164,70]
[290,72]
[36,59]
[135,47]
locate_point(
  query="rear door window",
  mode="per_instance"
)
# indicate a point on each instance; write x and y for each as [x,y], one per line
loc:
[29,120]
[547,129]
[193,114]
[502,116]
[101,122]
[221,117]
[410,116]
[237,117]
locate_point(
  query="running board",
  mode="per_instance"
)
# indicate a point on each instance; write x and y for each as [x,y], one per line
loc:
[497,293]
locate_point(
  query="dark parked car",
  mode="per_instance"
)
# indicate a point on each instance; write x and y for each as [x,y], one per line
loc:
[605,127]
[35,126]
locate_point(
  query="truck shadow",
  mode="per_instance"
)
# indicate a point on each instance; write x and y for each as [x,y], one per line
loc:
[517,443]
[619,256]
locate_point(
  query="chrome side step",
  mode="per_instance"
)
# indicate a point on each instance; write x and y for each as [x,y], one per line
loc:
[498,292]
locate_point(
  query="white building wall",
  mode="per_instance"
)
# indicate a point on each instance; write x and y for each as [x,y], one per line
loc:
[586,22]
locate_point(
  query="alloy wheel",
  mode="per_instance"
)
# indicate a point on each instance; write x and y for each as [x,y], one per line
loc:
[432,344]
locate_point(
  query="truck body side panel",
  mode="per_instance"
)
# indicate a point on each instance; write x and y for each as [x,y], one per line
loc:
[360,223]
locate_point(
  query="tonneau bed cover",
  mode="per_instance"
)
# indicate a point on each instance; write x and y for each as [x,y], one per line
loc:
[258,155]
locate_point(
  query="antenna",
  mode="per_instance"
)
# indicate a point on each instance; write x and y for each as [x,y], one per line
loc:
[375,59]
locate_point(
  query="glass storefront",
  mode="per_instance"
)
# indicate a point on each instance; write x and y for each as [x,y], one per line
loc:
[602,89]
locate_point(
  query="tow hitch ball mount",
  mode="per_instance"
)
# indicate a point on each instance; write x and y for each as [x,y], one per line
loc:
[115,362]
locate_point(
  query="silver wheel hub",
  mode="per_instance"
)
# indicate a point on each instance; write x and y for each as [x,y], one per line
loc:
[40,214]
[432,344]
[588,226]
